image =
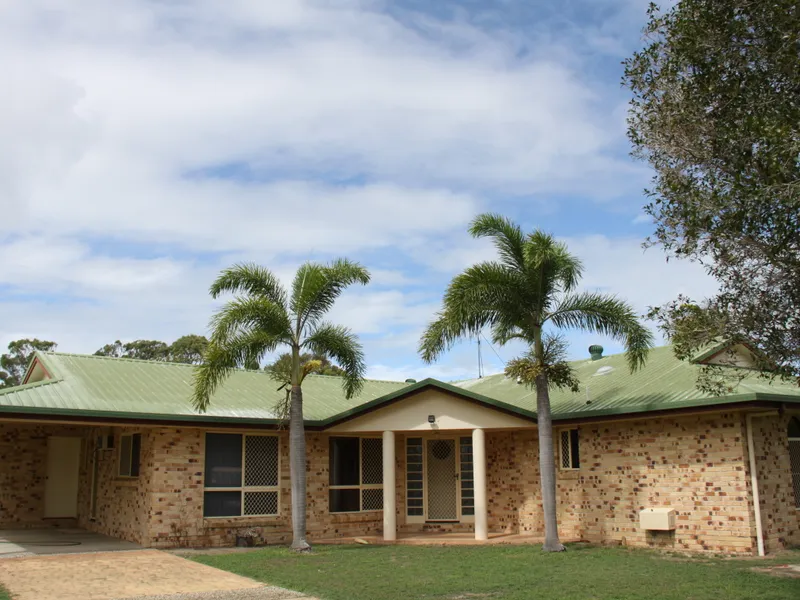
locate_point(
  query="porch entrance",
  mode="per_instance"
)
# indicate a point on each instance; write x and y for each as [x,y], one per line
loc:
[442,480]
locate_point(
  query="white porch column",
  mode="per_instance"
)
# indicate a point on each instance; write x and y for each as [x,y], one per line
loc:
[479,474]
[389,483]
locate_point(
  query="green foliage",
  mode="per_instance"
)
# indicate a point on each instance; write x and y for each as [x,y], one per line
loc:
[281,372]
[716,113]
[530,288]
[14,364]
[528,368]
[507,572]
[138,349]
[322,365]
[262,317]
[187,349]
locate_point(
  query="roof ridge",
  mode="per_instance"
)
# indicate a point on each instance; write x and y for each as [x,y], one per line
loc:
[365,379]
[120,358]
[178,364]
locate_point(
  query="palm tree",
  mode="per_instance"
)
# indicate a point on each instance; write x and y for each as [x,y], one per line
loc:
[263,317]
[532,287]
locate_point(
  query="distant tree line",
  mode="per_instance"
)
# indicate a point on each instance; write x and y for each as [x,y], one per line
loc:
[188,349]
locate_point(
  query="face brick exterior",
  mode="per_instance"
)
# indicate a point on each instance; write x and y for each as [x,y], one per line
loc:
[696,464]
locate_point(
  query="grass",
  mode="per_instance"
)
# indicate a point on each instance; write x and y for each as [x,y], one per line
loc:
[4,595]
[508,573]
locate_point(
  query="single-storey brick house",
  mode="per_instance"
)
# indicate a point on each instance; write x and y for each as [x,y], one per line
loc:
[114,446]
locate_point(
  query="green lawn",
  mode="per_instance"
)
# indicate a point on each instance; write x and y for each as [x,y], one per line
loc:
[508,573]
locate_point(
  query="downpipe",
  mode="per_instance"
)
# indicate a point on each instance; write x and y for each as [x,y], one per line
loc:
[754,476]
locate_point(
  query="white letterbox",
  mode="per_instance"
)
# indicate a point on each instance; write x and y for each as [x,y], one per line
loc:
[657,518]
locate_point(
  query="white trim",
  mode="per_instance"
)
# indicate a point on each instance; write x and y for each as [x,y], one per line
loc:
[243,489]
[360,486]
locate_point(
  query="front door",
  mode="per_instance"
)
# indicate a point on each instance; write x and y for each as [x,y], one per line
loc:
[442,480]
[61,485]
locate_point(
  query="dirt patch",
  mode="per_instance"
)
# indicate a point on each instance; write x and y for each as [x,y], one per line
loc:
[792,571]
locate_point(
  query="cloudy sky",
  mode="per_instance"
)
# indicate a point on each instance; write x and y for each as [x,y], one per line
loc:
[146,144]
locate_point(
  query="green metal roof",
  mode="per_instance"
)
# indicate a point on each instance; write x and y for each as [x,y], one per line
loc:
[149,389]
[95,386]
[609,388]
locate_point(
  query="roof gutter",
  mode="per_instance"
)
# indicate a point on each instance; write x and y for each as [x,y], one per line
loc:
[754,477]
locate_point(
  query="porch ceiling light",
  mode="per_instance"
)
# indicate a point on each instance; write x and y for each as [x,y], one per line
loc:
[431,419]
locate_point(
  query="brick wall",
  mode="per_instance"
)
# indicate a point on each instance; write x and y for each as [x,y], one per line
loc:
[122,504]
[176,513]
[23,468]
[780,518]
[695,464]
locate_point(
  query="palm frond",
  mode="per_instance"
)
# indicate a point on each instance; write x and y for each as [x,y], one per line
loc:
[252,280]
[508,238]
[220,360]
[316,287]
[606,315]
[250,314]
[556,269]
[342,345]
[507,329]
[486,286]
[476,298]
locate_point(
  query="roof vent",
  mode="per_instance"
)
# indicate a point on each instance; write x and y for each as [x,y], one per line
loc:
[596,351]
[411,380]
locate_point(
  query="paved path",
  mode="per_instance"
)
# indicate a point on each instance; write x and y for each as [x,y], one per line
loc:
[138,574]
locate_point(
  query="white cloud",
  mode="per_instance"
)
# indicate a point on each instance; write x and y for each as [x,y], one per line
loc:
[138,96]
[642,277]
[56,265]
[351,132]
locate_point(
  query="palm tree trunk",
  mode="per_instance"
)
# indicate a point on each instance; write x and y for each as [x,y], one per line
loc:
[297,466]
[547,466]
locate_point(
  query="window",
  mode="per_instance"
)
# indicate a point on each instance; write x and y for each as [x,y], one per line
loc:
[414,474]
[241,476]
[130,449]
[794,457]
[570,455]
[467,478]
[356,474]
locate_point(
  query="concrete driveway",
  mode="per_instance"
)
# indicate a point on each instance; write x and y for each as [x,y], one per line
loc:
[57,540]
[138,574]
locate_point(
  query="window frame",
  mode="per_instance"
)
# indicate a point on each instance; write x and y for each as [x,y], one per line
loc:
[242,489]
[130,463]
[361,485]
[793,474]
[568,433]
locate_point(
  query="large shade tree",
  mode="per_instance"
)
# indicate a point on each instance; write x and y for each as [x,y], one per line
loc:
[715,111]
[526,295]
[262,317]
